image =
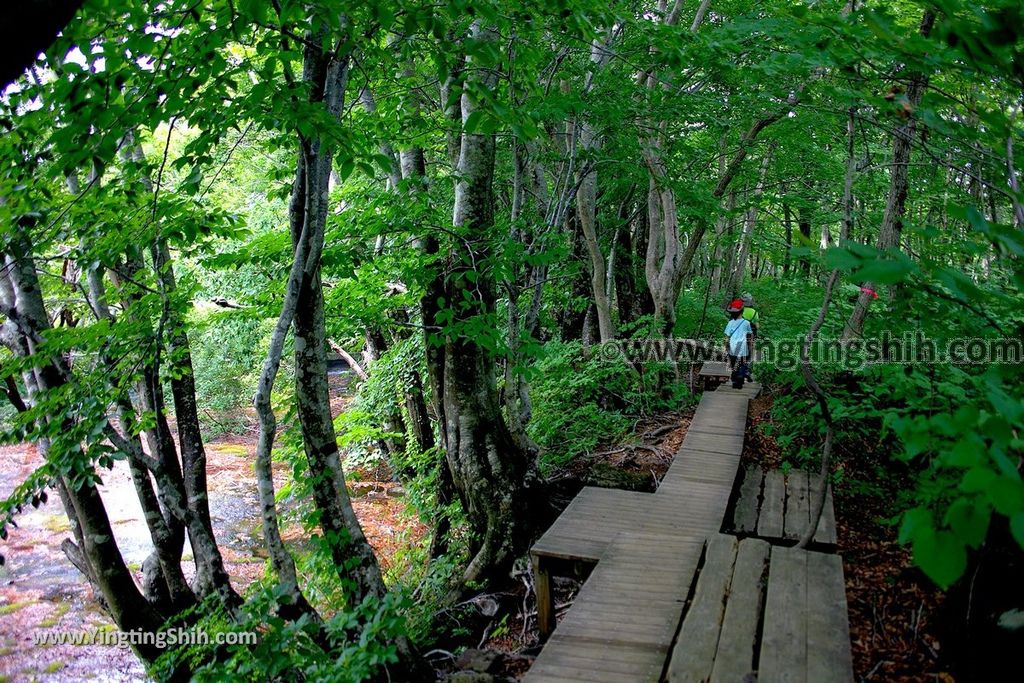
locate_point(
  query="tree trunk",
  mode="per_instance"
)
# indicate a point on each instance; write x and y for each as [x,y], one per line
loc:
[803,222]
[586,201]
[127,606]
[787,221]
[892,220]
[749,224]
[494,478]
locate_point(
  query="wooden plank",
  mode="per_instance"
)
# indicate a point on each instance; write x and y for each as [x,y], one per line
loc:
[574,656]
[734,659]
[725,427]
[745,514]
[749,390]
[694,654]
[716,443]
[783,654]
[769,522]
[615,632]
[550,672]
[797,505]
[826,533]
[545,596]
[569,658]
[828,628]
[714,369]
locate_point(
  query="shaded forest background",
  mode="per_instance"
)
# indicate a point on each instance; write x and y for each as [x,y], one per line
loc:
[204,202]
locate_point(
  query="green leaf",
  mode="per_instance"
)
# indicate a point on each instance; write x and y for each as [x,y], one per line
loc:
[1007,495]
[969,521]
[941,556]
[916,521]
[977,480]
[885,272]
[473,121]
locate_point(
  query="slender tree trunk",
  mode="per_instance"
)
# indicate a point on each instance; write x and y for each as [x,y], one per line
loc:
[586,200]
[749,224]
[127,606]
[892,220]
[787,221]
[803,223]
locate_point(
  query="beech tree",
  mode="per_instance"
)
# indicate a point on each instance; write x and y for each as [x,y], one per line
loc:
[471,194]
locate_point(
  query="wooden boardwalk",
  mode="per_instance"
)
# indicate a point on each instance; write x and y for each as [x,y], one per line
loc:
[647,547]
[773,505]
[767,613]
[671,598]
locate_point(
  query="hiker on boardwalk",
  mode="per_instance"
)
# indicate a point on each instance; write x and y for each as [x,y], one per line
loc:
[739,341]
[750,313]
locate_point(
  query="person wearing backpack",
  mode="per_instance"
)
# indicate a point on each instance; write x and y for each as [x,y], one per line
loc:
[750,313]
[739,341]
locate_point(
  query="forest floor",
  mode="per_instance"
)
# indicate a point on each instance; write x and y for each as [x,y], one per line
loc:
[892,606]
[40,591]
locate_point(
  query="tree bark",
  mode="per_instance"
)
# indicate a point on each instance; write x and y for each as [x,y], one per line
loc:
[895,206]
[494,478]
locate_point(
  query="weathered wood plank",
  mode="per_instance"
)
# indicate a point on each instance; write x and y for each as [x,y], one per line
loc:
[545,595]
[694,653]
[797,506]
[826,533]
[783,654]
[716,443]
[569,655]
[551,672]
[745,514]
[828,628]
[714,369]
[769,523]
[735,656]
[726,427]
[626,662]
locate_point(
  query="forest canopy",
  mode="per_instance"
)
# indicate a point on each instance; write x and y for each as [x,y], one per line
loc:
[494,212]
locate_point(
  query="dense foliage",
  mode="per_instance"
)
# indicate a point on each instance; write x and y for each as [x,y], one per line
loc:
[204,201]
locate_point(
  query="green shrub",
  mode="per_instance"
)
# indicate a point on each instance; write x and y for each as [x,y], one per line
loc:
[227,354]
[581,400]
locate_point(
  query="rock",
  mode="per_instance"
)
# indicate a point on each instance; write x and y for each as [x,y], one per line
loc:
[396,492]
[477,660]
[358,489]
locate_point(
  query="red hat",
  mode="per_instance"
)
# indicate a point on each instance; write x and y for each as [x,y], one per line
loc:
[735,305]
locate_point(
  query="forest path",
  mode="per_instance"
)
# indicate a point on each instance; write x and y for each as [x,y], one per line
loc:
[647,548]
